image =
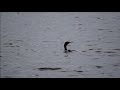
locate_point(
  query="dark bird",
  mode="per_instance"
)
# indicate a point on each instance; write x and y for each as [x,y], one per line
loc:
[65,46]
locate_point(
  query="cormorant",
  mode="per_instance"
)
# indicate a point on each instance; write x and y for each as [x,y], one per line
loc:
[65,46]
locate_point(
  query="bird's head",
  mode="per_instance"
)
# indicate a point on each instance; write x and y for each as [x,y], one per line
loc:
[69,42]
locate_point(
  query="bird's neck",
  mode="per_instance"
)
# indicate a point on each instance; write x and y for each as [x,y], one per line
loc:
[65,47]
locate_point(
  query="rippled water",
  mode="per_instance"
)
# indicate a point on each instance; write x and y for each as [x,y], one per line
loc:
[32,44]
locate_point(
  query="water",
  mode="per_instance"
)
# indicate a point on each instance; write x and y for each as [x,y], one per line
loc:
[32,44]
